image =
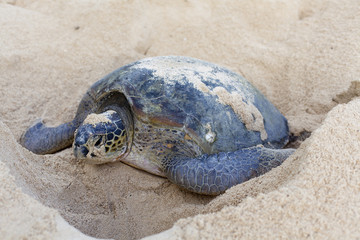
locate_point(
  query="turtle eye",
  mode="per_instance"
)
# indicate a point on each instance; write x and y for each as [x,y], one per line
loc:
[98,142]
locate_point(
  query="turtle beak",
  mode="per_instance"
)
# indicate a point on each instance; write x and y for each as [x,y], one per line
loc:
[80,152]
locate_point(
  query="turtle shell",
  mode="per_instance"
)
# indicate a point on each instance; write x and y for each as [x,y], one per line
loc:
[216,107]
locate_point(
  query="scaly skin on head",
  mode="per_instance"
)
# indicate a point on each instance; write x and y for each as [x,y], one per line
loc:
[102,138]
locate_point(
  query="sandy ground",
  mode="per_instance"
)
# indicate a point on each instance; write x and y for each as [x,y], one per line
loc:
[303,55]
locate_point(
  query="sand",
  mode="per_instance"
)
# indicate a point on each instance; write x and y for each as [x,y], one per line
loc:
[303,55]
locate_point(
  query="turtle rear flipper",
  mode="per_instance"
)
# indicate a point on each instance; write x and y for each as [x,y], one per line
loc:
[213,174]
[41,139]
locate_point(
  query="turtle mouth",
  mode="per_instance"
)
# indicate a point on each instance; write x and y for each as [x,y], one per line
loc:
[97,153]
[80,151]
[90,154]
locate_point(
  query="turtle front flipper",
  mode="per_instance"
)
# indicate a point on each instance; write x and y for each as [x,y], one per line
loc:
[213,174]
[41,139]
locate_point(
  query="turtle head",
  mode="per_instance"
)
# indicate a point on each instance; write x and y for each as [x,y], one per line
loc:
[102,138]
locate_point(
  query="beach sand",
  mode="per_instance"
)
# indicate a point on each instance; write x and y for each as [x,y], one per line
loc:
[304,56]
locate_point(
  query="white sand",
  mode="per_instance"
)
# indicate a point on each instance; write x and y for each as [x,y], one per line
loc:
[303,55]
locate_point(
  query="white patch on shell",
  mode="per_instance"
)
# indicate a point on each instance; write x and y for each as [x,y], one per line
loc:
[249,114]
[94,118]
[173,71]
[210,135]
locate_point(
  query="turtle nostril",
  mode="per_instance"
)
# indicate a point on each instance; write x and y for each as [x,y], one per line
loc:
[92,155]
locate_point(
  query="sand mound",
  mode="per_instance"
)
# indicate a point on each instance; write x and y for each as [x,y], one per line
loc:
[319,199]
[303,55]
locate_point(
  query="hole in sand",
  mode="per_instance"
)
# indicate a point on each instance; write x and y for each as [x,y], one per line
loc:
[114,200]
[106,201]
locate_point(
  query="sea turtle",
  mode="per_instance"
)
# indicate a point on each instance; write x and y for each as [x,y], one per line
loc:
[200,125]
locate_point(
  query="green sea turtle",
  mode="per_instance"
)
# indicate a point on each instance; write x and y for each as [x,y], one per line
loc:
[200,125]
